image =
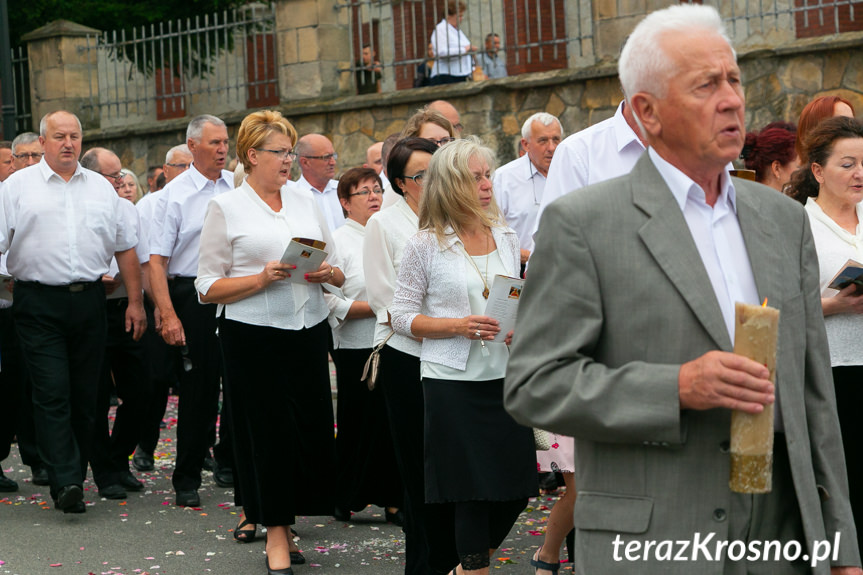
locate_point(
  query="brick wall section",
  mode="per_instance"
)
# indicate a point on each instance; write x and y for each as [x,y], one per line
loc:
[817,21]
[525,24]
[261,71]
[413,27]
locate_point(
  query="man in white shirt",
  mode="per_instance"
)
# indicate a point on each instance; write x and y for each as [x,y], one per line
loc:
[180,210]
[600,152]
[453,51]
[177,160]
[7,165]
[317,159]
[519,185]
[59,226]
[124,360]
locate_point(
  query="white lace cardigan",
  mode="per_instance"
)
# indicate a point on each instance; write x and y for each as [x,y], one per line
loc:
[432,281]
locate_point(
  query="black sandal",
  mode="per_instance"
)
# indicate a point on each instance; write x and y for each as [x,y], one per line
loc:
[538,563]
[245,536]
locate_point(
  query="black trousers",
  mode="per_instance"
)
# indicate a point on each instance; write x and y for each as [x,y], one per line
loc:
[442,79]
[429,537]
[126,360]
[278,389]
[199,396]
[164,370]
[848,382]
[16,409]
[62,336]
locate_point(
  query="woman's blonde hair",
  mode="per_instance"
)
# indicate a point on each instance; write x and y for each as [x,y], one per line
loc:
[138,193]
[450,189]
[255,129]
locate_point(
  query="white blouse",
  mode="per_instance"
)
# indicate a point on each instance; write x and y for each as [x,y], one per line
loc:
[835,246]
[241,233]
[433,281]
[350,333]
[387,233]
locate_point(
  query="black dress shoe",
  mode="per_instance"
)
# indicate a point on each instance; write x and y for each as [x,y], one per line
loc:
[68,498]
[114,491]
[285,571]
[397,518]
[297,558]
[223,476]
[7,485]
[341,514]
[143,461]
[40,476]
[130,482]
[188,498]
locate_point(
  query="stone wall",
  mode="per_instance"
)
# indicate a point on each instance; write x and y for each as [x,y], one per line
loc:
[778,83]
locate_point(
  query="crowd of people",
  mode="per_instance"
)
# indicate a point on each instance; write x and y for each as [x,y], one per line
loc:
[635,242]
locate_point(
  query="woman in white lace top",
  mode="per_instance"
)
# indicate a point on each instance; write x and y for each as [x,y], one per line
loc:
[477,457]
[273,334]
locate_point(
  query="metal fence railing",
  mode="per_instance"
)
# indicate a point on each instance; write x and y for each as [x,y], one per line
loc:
[21,86]
[210,64]
[538,35]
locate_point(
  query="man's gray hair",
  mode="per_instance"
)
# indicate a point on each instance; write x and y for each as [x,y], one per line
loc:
[643,65]
[23,139]
[181,148]
[543,118]
[196,126]
[43,123]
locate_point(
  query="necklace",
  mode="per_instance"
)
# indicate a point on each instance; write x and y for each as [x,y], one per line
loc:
[485,291]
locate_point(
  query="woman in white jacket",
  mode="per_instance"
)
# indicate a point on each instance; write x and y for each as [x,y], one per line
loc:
[477,456]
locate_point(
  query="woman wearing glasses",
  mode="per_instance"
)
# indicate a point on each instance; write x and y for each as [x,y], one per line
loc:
[428,532]
[476,456]
[430,125]
[366,470]
[273,335]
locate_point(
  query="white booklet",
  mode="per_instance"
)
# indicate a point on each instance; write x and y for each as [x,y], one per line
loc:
[502,303]
[307,255]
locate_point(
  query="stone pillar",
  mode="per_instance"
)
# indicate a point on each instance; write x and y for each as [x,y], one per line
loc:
[63,74]
[313,46]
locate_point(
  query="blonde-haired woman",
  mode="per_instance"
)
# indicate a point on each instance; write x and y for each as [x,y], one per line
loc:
[273,335]
[129,188]
[477,456]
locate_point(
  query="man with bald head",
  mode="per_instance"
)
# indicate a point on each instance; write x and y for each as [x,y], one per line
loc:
[449,112]
[60,224]
[317,159]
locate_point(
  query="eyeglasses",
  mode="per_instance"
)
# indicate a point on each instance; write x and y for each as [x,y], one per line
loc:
[29,156]
[458,127]
[181,166]
[326,158]
[417,178]
[366,192]
[118,177]
[442,141]
[281,154]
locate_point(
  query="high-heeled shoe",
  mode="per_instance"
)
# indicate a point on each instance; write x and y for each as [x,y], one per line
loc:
[285,571]
[245,536]
[538,563]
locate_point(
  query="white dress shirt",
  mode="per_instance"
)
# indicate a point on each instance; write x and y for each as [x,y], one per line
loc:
[57,232]
[835,246]
[146,208]
[518,191]
[141,250]
[600,152]
[450,46]
[387,233]
[350,333]
[179,215]
[241,233]
[433,281]
[328,201]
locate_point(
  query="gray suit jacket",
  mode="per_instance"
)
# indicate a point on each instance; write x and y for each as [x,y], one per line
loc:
[617,298]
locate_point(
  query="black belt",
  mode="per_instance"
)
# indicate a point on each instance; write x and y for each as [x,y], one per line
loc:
[183,280]
[72,287]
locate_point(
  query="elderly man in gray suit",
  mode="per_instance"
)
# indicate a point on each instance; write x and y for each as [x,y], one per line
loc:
[625,334]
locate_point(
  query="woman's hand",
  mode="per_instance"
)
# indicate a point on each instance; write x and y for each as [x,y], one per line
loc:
[508,339]
[324,274]
[275,271]
[848,300]
[478,327]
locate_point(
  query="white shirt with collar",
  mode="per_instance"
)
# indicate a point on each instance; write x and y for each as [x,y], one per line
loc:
[241,233]
[146,207]
[600,152]
[142,250]
[57,232]
[433,281]
[518,190]
[450,48]
[175,229]
[350,333]
[328,201]
[387,234]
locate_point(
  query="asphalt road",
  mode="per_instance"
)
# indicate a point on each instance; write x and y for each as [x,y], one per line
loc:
[148,535]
